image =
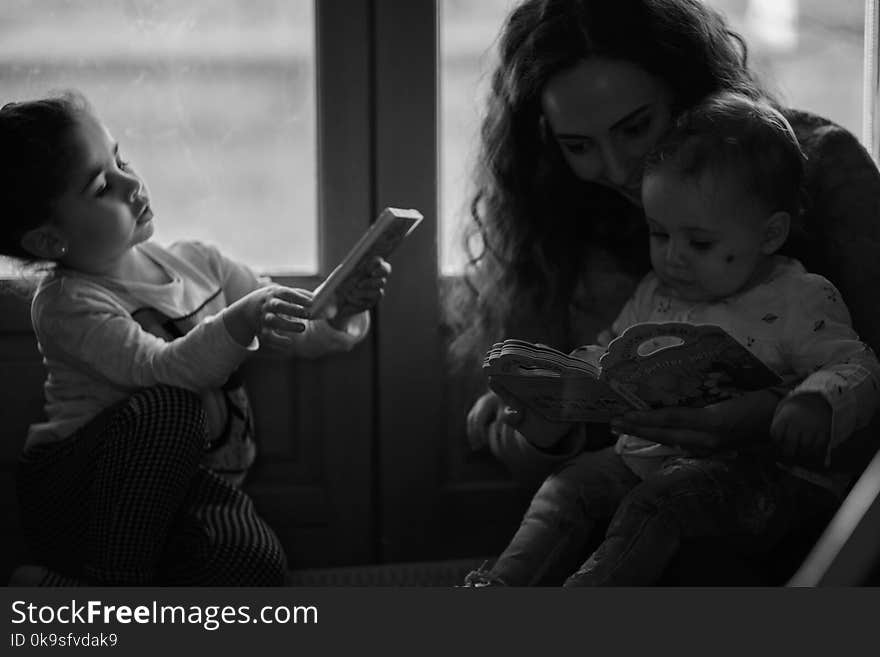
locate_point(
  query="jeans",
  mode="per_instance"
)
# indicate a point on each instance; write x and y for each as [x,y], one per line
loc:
[745,498]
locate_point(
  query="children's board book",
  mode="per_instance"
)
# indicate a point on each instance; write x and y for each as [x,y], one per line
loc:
[382,237]
[648,366]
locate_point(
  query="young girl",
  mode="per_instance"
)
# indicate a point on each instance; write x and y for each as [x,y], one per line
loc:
[718,194]
[132,479]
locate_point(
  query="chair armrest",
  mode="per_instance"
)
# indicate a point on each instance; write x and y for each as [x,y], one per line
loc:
[848,552]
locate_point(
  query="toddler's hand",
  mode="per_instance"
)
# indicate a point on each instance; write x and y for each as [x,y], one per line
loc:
[280,315]
[801,428]
[365,294]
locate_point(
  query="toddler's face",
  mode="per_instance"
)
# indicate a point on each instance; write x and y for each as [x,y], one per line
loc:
[105,209]
[707,236]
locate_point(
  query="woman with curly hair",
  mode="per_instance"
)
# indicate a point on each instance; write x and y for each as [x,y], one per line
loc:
[558,240]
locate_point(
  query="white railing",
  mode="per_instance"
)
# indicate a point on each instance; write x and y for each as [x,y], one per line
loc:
[870,127]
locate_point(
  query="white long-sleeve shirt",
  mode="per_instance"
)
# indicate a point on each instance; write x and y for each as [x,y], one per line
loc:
[793,321]
[102,339]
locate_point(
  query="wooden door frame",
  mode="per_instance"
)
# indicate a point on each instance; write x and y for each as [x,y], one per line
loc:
[410,368]
[437,499]
[346,404]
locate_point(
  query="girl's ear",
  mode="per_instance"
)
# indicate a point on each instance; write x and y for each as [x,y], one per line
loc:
[776,229]
[45,243]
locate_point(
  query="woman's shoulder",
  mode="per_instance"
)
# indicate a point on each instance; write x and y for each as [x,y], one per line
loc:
[841,190]
[812,128]
[824,141]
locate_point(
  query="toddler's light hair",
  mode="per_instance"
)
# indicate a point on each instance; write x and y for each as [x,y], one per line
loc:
[728,133]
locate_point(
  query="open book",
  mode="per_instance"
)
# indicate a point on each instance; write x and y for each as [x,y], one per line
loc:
[380,239]
[648,366]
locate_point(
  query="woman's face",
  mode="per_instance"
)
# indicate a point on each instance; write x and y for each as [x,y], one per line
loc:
[606,115]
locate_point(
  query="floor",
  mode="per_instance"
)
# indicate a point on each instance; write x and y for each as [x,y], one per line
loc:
[428,573]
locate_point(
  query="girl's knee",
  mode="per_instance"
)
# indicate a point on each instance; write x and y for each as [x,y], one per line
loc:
[166,413]
[177,404]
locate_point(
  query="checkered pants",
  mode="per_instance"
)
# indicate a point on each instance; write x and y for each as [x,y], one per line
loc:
[125,502]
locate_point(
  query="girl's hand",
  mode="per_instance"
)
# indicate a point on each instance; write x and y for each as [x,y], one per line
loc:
[365,294]
[801,428]
[268,312]
[729,424]
[280,315]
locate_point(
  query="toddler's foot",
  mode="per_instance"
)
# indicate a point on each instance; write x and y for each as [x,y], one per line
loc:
[480,578]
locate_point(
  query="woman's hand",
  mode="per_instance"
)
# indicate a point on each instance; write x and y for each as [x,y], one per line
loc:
[729,424]
[511,417]
[483,417]
[492,422]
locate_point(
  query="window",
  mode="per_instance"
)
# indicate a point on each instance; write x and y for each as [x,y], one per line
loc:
[214,103]
[468,33]
[808,52]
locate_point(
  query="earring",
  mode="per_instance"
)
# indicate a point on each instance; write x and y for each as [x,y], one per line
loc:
[63,250]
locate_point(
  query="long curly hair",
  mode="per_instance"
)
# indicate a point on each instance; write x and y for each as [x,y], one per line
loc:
[530,216]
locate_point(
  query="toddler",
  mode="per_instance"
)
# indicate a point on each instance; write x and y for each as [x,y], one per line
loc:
[133,477]
[719,195]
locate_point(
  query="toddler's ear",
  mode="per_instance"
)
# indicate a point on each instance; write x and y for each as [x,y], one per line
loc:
[45,243]
[776,229]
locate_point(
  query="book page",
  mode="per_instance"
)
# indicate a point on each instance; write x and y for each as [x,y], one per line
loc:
[563,399]
[557,386]
[684,365]
[651,365]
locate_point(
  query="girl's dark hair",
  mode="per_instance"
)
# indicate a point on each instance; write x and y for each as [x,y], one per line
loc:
[729,133]
[35,158]
[531,218]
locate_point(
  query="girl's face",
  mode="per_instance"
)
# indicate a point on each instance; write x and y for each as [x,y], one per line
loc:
[105,209]
[709,239]
[606,115]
